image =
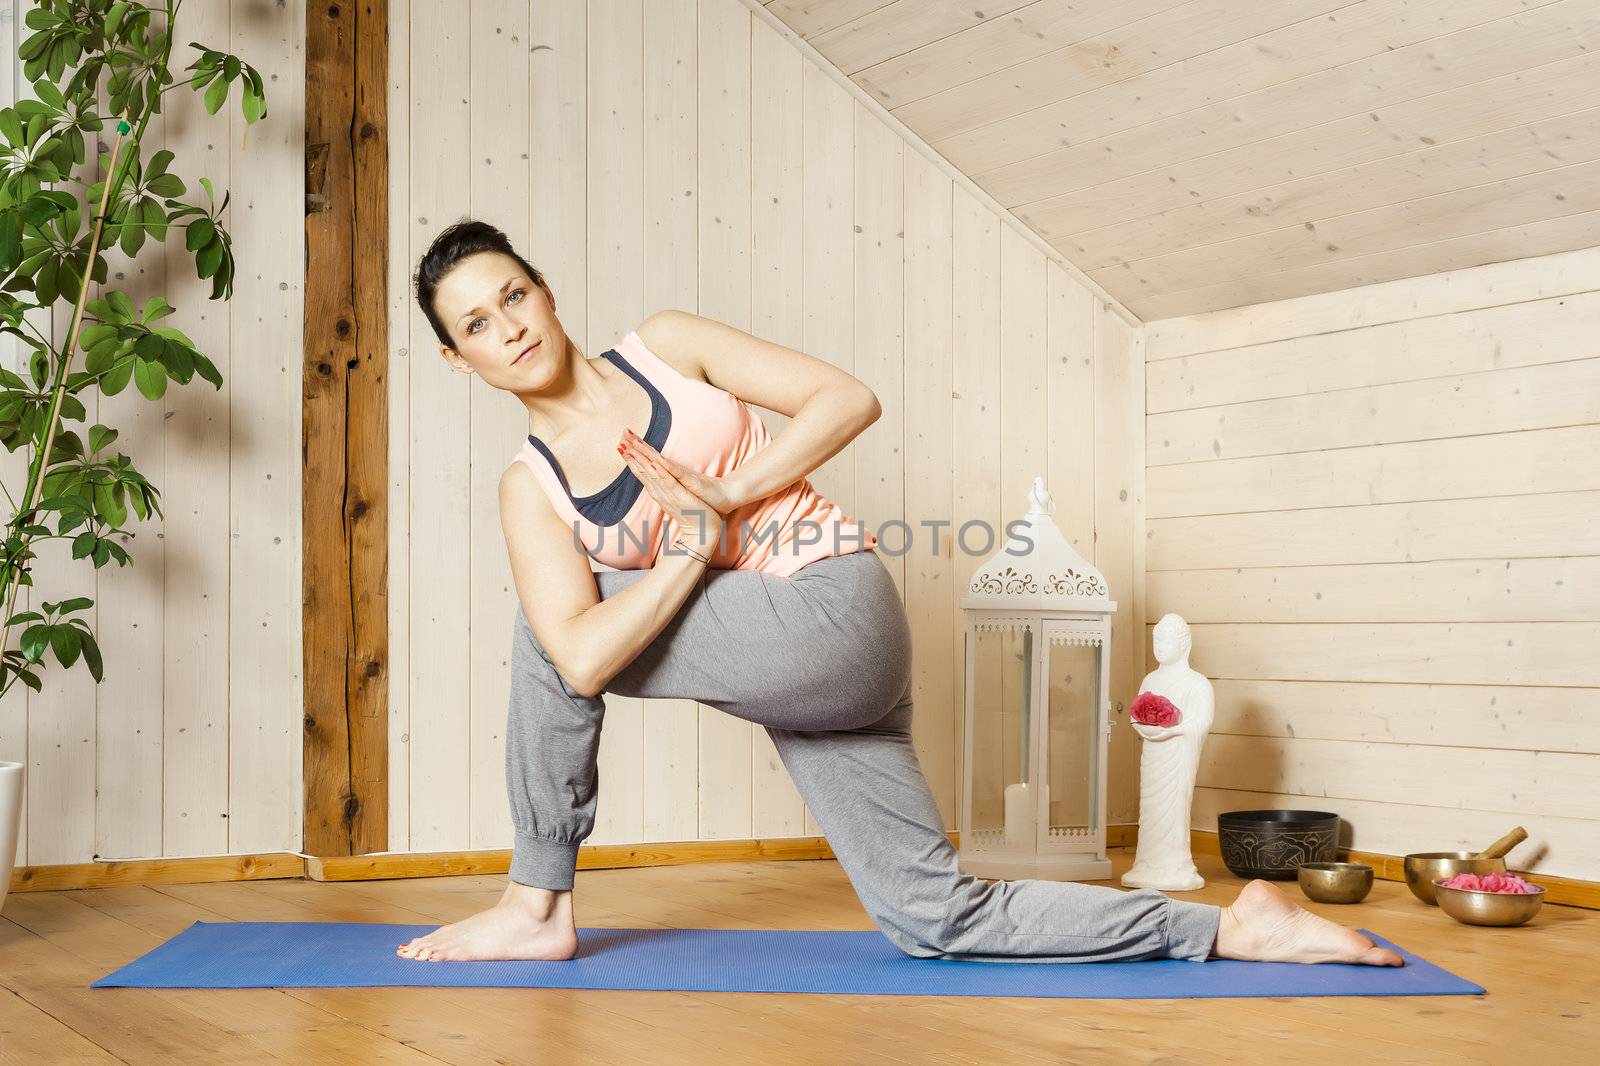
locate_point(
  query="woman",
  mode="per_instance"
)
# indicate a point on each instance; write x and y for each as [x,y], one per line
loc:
[736,584]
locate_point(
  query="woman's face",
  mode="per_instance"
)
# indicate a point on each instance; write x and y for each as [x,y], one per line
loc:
[494,314]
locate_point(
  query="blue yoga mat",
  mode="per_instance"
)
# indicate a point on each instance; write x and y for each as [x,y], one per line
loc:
[346,955]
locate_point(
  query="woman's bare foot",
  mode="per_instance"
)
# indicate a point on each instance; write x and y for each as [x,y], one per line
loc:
[1265,925]
[527,923]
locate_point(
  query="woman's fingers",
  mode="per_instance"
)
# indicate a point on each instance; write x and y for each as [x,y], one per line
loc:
[688,511]
[655,459]
[662,476]
[670,476]
[664,493]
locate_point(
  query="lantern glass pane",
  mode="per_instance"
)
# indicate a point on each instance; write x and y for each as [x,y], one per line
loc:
[1002,806]
[1075,728]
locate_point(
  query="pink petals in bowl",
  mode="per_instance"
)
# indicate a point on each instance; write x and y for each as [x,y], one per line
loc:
[1492,882]
[1488,899]
[1150,708]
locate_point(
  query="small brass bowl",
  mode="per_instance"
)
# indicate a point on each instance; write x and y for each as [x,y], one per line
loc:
[1335,882]
[1487,908]
[1423,868]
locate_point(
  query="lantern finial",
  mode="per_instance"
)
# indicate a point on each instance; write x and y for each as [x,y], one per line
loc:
[1037,568]
[1040,500]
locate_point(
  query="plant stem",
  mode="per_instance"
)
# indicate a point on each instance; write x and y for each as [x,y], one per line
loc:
[42,457]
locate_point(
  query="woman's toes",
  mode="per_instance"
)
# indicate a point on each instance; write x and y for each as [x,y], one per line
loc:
[413,949]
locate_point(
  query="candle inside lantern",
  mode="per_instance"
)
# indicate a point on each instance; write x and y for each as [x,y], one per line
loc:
[1019,816]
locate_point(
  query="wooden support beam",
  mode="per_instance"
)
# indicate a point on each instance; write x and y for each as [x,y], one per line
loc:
[346,428]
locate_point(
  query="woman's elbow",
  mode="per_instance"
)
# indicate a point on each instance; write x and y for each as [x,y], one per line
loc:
[870,405]
[585,682]
[576,672]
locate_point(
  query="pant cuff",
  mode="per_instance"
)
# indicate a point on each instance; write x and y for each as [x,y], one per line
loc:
[1191,929]
[540,862]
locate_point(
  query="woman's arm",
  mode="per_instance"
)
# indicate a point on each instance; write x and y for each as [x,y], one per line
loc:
[588,639]
[827,407]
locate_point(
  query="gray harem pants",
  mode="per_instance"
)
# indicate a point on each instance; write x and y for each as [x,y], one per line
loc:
[822,660]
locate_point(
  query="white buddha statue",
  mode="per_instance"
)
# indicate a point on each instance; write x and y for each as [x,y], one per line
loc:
[1168,764]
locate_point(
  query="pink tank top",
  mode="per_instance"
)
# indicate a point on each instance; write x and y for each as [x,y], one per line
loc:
[712,431]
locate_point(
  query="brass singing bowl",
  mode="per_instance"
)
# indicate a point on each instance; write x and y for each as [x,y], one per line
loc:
[1423,868]
[1335,882]
[1487,908]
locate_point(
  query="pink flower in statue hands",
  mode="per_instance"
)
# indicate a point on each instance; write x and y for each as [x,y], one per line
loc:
[1149,708]
[1492,882]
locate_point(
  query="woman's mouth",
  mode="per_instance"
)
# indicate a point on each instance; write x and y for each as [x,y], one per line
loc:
[526,350]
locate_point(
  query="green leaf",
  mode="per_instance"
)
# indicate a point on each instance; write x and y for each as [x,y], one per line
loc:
[116,379]
[149,347]
[199,234]
[155,309]
[209,259]
[33,47]
[179,361]
[105,502]
[151,378]
[64,642]
[167,185]
[91,657]
[216,95]
[206,369]
[33,642]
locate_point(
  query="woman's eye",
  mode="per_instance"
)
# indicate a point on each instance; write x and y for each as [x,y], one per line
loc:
[472,326]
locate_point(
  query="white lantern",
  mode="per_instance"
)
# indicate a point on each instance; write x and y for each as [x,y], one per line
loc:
[1037,624]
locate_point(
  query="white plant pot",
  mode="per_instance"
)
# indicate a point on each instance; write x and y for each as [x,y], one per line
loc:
[10,821]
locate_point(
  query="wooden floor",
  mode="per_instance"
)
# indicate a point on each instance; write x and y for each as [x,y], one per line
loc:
[1541,1006]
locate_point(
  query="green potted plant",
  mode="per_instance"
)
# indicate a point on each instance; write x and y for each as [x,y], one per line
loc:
[54,229]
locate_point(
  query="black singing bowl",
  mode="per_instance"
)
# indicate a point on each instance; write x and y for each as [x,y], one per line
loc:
[1273,844]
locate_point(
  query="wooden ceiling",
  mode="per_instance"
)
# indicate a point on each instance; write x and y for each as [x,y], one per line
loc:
[1191,155]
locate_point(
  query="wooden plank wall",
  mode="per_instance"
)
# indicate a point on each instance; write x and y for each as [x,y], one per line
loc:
[1378,510]
[191,745]
[685,154]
